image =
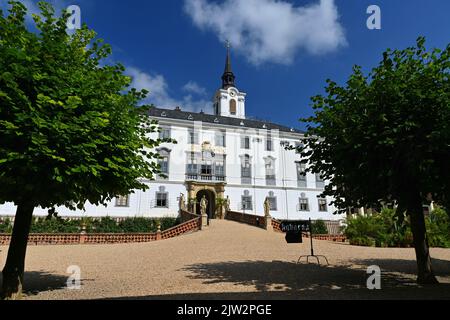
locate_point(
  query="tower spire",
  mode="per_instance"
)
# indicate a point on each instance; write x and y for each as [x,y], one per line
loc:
[228,77]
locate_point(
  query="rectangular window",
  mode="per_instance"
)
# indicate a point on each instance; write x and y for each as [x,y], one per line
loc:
[246,170]
[304,204]
[271,179]
[269,143]
[301,175]
[206,168]
[273,203]
[323,206]
[161,200]
[164,164]
[192,137]
[220,139]
[164,133]
[247,203]
[192,165]
[320,183]
[219,169]
[245,143]
[122,201]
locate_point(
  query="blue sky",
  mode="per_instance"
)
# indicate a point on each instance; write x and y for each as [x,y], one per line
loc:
[283,51]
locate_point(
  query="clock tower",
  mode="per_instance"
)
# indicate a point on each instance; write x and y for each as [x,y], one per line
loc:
[228,100]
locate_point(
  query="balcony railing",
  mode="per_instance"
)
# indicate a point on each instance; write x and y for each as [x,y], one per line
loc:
[271,180]
[205,177]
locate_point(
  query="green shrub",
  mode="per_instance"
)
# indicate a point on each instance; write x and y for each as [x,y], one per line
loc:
[100,225]
[55,225]
[438,229]
[389,229]
[363,241]
[137,225]
[6,225]
[167,223]
[319,227]
[103,225]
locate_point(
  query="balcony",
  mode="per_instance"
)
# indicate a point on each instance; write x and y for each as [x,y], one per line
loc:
[205,177]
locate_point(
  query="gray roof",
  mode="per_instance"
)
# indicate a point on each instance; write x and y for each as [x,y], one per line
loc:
[219,120]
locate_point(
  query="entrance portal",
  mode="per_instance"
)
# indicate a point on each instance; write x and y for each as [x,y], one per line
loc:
[211,198]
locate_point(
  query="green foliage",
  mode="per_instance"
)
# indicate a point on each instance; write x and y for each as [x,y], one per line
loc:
[319,227]
[6,225]
[55,225]
[438,226]
[167,223]
[388,229]
[131,225]
[93,225]
[385,135]
[70,125]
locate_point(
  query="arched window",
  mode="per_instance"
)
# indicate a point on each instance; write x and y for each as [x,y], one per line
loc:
[233,108]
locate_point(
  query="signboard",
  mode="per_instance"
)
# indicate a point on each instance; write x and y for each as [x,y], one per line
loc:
[294,237]
[294,230]
[295,226]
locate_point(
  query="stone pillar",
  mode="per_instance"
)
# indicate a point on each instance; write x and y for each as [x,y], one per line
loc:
[204,221]
[83,233]
[268,221]
[158,232]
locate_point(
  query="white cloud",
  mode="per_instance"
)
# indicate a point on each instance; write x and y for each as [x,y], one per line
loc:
[194,88]
[160,94]
[270,30]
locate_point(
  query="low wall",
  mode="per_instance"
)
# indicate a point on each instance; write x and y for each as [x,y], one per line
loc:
[276,225]
[257,221]
[187,216]
[107,238]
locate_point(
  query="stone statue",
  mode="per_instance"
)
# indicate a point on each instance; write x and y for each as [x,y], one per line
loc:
[267,207]
[227,204]
[182,203]
[203,205]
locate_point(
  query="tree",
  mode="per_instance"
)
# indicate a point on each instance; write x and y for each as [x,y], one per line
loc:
[71,128]
[386,137]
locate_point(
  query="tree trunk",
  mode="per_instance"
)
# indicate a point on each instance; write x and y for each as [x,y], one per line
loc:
[418,228]
[15,262]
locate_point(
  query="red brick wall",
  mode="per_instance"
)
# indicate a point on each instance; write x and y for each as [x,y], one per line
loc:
[187,216]
[250,219]
[276,225]
[189,226]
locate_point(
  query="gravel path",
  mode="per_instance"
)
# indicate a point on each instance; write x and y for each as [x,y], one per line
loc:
[227,261]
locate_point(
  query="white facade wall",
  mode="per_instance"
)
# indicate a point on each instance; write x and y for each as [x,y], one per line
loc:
[142,204]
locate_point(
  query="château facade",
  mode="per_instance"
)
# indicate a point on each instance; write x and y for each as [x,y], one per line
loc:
[224,155]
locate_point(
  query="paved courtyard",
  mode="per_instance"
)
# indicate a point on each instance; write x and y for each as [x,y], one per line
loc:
[227,261]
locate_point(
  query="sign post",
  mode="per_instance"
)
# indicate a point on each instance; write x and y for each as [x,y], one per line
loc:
[294,230]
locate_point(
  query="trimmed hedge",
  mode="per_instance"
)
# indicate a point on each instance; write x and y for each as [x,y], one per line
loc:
[103,225]
[385,229]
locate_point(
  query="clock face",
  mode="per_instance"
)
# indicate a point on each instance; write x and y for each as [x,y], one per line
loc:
[232,93]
